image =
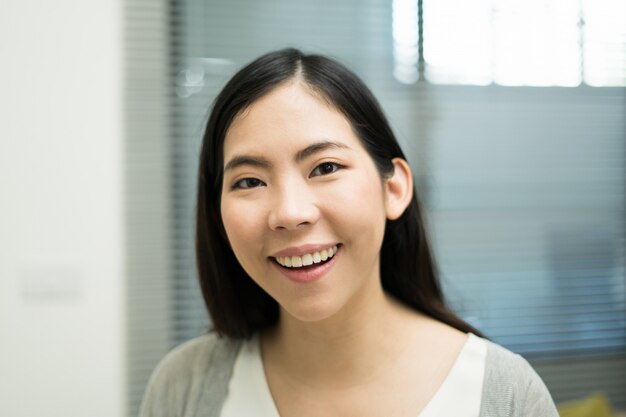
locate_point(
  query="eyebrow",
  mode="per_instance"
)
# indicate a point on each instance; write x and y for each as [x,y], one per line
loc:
[259,162]
[240,160]
[319,147]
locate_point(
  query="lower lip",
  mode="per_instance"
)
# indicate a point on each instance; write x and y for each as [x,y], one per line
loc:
[307,275]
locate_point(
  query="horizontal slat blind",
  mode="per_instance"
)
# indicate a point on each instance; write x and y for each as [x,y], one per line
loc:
[147,196]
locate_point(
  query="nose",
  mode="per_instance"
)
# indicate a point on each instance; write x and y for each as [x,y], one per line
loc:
[293,206]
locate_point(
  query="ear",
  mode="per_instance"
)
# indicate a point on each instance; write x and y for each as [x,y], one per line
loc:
[398,189]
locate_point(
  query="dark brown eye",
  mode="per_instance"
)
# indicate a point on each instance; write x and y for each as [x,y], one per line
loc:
[246,183]
[325,169]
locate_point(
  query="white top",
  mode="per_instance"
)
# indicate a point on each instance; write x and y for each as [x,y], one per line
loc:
[459,395]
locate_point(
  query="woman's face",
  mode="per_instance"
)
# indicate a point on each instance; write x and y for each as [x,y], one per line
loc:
[298,186]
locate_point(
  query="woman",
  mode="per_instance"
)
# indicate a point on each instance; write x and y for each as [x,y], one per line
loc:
[316,269]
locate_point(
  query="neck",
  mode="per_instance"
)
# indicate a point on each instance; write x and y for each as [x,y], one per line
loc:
[352,346]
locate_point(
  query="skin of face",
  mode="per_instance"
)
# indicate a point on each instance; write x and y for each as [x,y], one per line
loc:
[273,200]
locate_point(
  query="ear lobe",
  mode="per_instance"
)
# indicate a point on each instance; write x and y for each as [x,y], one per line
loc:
[398,189]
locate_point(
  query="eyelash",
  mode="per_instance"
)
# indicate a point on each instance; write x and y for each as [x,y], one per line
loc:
[333,165]
[238,184]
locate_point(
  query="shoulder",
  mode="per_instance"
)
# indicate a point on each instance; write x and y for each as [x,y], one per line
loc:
[191,359]
[178,385]
[512,387]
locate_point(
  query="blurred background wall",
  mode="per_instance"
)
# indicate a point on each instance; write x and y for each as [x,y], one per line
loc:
[62,244]
[511,113]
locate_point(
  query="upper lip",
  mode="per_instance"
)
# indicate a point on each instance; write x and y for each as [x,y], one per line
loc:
[303,250]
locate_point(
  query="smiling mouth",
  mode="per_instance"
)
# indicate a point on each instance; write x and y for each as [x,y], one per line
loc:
[307,260]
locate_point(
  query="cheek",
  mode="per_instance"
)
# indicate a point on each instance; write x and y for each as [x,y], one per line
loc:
[361,209]
[240,224]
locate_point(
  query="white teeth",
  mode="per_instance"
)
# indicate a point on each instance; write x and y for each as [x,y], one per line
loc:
[307,259]
[317,258]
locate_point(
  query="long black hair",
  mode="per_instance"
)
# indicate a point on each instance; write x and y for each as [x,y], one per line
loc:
[237,305]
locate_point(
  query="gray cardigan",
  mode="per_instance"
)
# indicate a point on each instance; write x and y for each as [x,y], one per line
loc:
[192,381]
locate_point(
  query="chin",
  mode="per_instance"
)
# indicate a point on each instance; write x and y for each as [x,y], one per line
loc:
[311,312]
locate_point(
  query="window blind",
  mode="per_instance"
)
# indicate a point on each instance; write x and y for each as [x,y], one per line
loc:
[147,193]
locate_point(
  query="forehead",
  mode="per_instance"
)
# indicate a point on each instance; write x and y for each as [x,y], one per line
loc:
[290,116]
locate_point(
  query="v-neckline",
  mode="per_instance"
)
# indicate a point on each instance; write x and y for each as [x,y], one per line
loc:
[431,404]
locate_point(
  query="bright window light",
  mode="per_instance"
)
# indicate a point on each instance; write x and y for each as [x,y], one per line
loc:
[457,41]
[604,42]
[405,41]
[536,42]
[524,42]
